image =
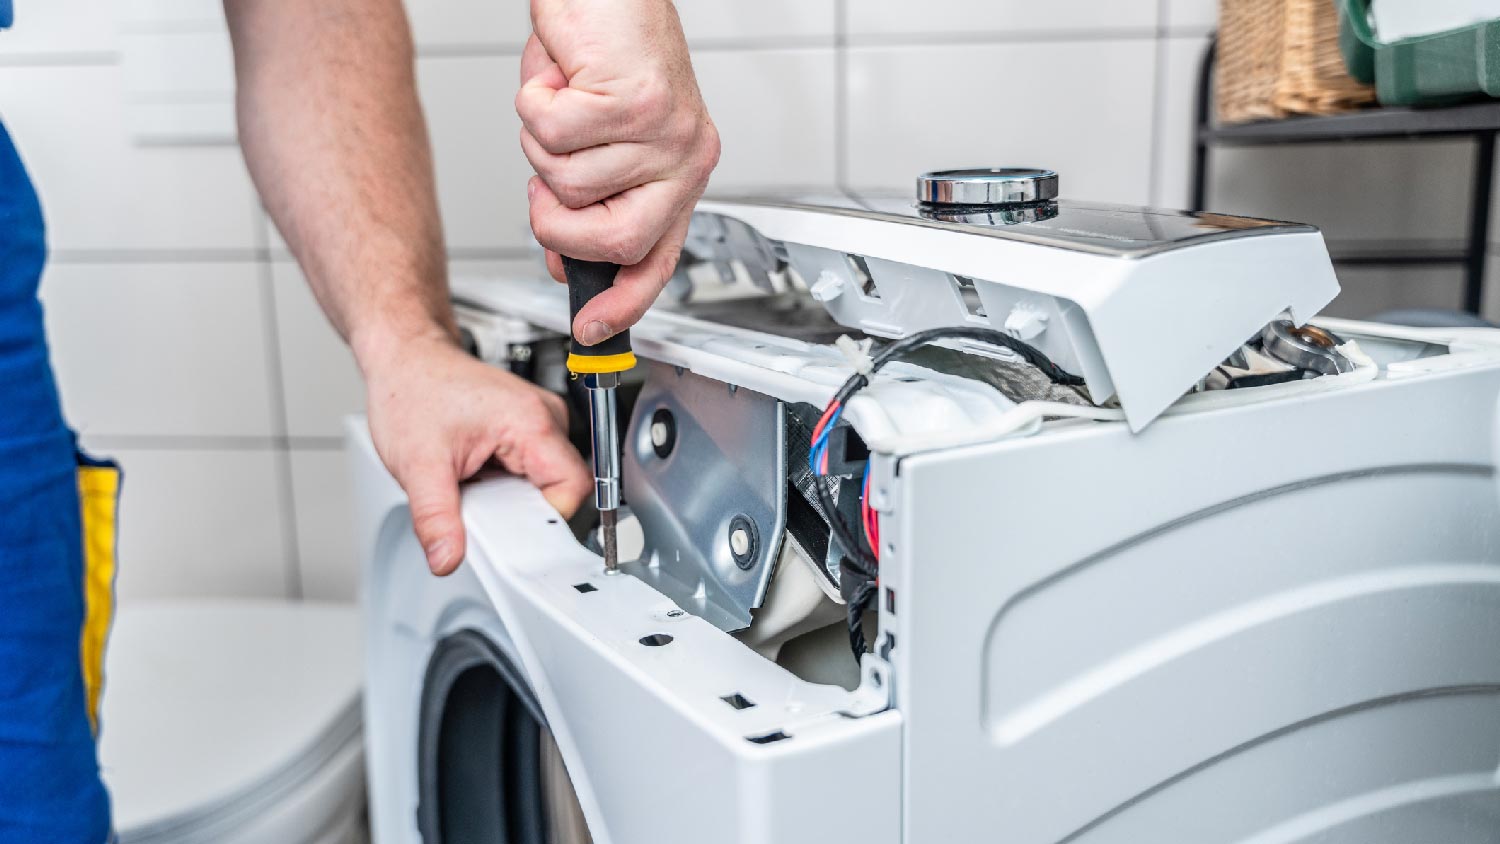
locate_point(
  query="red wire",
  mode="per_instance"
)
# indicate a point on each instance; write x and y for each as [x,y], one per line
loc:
[818,428]
[870,520]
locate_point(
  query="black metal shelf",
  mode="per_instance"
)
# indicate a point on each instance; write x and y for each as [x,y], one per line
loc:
[1479,121]
[1369,125]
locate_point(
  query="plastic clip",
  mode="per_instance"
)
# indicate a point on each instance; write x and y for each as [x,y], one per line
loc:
[857,352]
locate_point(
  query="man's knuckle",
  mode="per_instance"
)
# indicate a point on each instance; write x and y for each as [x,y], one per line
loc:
[712,148]
[522,104]
[571,188]
[525,406]
[545,227]
[549,134]
[533,424]
[529,403]
[532,148]
[651,102]
[627,247]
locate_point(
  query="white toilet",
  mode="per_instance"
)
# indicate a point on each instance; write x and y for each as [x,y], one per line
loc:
[235,722]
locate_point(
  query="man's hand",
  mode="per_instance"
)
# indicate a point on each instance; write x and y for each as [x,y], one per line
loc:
[437,415]
[333,134]
[614,125]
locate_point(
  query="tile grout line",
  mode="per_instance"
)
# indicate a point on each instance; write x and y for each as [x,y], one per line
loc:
[108,58]
[494,50]
[998,38]
[61,58]
[291,541]
[1158,108]
[695,45]
[840,94]
[210,442]
[200,255]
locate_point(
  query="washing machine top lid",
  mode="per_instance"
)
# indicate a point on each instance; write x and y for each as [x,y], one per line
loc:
[1141,302]
[208,705]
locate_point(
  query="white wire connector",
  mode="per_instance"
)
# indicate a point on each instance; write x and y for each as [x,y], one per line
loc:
[857,352]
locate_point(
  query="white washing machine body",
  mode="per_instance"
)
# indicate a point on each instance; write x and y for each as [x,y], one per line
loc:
[1260,614]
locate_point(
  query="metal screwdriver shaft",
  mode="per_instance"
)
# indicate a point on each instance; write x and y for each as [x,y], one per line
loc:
[600,366]
[606,448]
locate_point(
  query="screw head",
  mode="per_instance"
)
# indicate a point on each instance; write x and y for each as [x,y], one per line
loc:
[739,542]
[743,542]
[663,432]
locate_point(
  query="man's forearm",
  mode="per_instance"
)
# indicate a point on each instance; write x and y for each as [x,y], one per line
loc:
[335,141]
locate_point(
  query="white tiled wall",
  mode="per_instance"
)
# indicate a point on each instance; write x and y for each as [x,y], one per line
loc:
[319,379]
[101,191]
[188,345]
[162,349]
[480,169]
[1071,20]
[916,108]
[204,520]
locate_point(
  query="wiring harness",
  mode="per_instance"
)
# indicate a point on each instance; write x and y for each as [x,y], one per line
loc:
[861,559]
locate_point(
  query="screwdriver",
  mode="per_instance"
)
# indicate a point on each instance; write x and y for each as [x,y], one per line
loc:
[600,366]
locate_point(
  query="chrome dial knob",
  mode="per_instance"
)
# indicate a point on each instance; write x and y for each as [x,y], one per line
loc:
[987,186]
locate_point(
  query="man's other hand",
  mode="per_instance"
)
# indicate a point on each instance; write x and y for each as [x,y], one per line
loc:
[616,129]
[438,415]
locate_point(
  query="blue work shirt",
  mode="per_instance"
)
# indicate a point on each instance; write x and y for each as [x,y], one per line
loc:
[50,789]
[7,14]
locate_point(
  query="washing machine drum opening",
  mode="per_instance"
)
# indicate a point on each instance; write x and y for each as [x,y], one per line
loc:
[489,771]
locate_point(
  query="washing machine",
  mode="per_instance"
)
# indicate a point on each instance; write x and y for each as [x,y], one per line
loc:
[980,515]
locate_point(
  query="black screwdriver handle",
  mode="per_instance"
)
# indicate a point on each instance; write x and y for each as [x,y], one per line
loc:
[587,279]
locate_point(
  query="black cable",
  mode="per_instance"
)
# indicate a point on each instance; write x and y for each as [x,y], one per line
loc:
[864,593]
[859,560]
[993,337]
[898,348]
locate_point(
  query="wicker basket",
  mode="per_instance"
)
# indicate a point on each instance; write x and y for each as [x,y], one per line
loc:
[1281,57]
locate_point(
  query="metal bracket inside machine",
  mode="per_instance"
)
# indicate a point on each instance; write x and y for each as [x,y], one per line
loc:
[705,473]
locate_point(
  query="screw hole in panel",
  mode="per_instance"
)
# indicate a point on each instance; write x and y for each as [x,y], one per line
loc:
[738,701]
[585,588]
[768,738]
[862,277]
[969,295]
[656,640]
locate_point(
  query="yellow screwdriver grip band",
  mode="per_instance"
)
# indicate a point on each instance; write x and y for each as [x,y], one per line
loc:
[598,364]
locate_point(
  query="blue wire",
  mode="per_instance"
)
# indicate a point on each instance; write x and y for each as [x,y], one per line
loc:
[812,456]
[820,445]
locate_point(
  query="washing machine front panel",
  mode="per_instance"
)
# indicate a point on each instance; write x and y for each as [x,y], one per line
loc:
[645,701]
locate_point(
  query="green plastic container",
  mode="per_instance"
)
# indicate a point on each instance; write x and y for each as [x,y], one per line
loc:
[1437,69]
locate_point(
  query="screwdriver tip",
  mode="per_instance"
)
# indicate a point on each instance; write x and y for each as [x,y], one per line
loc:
[608,519]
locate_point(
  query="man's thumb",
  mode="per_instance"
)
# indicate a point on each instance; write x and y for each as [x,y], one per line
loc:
[432,490]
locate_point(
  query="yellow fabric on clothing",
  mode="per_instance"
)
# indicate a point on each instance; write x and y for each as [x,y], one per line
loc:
[99,497]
